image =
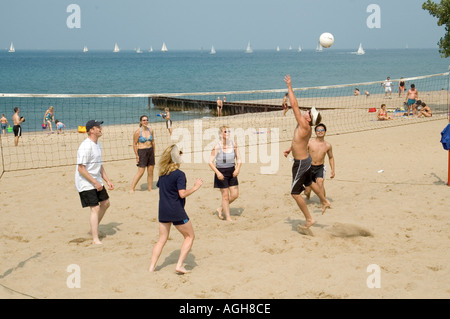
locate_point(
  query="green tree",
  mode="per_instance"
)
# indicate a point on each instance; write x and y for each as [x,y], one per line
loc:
[442,12]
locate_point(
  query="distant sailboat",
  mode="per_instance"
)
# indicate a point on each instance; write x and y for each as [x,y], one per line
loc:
[11,48]
[85,49]
[248,49]
[151,49]
[138,50]
[278,48]
[290,47]
[164,47]
[213,51]
[116,48]
[319,48]
[299,48]
[360,50]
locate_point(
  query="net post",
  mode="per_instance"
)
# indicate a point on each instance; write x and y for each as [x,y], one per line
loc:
[448,177]
[2,158]
[448,103]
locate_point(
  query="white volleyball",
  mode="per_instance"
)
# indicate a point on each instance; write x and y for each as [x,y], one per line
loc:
[326,40]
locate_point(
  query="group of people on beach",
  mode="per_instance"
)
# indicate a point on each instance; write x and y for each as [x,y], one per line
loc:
[90,174]
[308,173]
[49,117]
[411,106]
[419,109]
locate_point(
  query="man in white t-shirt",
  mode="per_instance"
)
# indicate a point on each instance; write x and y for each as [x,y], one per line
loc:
[89,177]
[388,87]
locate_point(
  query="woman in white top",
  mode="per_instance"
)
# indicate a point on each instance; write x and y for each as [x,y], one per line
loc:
[226,168]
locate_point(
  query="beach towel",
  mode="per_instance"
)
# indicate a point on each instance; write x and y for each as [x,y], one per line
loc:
[445,138]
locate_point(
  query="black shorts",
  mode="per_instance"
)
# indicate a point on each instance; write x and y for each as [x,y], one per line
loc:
[301,175]
[146,157]
[93,197]
[228,179]
[179,222]
[317,171]
[17,130]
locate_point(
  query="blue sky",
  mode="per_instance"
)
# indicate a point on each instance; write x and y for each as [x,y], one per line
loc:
[226,24]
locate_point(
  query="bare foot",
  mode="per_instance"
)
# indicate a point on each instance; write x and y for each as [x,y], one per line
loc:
[309,223]
[131,191]
[325,206]
[219,213]
[151,268]
[181,270]
[97,242]
[306,230]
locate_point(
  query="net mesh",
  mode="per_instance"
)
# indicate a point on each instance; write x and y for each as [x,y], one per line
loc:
[254,117]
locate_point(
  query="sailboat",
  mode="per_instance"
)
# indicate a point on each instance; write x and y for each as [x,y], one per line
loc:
[290,48]
[164,47]
[138,50]
[248,49]
[116,48]
[299,48]
[278,48]
[213,51]
[85,49]
[360,50]
[151,49]
[319,48]
[11,48]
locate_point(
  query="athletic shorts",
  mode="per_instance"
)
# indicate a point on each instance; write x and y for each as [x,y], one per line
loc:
[93,197]
[146,157]
[169,124]
[387,89]
[301,175]
[179,222]
[317,171]
[411,102]
[228,179]
[17,130]
[3,126]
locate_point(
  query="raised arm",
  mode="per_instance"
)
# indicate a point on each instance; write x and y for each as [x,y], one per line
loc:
[293,100]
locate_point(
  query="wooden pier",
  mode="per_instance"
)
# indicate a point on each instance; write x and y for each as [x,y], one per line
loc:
[204,106]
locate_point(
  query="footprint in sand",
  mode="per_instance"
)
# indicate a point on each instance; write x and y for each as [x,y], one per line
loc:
[79,240]
[348,230]
[304,230]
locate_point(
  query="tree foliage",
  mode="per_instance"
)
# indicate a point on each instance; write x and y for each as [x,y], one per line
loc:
[441,11]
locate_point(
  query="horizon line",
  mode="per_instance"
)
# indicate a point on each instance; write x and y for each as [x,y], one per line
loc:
[207,49]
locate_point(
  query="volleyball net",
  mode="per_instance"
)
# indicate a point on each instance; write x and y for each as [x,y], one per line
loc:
[254,117]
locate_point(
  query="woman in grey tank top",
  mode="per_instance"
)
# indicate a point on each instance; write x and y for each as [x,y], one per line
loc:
[225,161]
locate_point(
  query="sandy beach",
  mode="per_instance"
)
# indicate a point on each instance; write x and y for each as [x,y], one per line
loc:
[389,209]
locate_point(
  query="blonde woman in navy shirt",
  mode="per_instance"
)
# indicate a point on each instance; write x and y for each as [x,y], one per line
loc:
[172,198]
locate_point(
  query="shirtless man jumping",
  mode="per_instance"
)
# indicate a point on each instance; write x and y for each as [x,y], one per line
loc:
[301,170]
